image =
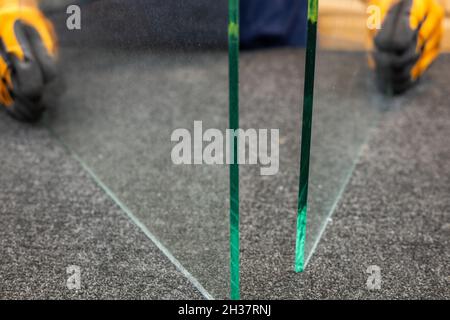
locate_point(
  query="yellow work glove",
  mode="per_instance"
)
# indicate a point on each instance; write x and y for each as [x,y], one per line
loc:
[27,58]
[407,42]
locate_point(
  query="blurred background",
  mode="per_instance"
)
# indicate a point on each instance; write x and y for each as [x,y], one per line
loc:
[264,23]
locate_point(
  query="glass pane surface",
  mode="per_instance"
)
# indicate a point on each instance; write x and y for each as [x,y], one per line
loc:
[345,108]
[274,95]
[136,71]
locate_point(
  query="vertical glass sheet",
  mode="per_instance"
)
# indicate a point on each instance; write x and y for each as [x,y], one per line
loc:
[134,73]
[323,102]
[233,46]
[339,112]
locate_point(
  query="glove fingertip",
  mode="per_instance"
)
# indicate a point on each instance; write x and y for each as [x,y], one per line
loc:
[25,110]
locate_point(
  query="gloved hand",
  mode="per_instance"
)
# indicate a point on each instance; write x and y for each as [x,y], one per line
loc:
[407,43]
[27,58]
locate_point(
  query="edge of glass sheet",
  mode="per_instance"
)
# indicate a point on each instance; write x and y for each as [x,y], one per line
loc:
[233,45]
[306,135]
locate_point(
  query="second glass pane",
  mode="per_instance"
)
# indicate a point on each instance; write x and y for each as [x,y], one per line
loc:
[135,72]
[346,106]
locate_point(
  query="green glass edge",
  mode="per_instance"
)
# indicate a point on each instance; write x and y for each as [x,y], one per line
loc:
[233,52]
[306,135]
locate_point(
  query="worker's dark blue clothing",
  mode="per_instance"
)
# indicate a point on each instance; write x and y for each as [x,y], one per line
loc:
[269,23]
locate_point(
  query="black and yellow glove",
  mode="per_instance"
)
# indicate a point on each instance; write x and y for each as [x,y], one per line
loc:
[407,43]
[27,58]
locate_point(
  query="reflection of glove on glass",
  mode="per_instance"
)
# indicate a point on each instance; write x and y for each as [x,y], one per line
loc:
[27,57]
[407,43]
